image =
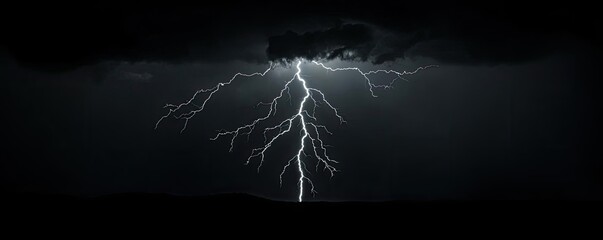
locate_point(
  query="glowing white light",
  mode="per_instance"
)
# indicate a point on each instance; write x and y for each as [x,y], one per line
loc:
[310,129]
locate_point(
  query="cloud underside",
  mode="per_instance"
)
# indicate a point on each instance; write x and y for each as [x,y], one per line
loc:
[499,44]
[376,31]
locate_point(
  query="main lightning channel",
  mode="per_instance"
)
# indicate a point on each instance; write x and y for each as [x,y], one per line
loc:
[310,128]
[305,132]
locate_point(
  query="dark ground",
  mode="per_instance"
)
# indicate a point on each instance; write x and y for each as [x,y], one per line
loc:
[244,211]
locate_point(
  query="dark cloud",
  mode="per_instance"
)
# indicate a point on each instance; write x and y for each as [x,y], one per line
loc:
[57,37]
[449,33]
[347,42]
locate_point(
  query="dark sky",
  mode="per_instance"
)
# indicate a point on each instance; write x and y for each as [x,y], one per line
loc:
[511,113]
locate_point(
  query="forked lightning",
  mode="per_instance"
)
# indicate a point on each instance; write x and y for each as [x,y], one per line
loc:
[310,130]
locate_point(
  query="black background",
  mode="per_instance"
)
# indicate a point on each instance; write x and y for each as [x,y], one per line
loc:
[511,114]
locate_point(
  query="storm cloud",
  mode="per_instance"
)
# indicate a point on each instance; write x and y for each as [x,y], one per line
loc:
[347,42]
[450,33]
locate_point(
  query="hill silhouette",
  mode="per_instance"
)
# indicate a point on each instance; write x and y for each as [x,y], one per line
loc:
[142,204]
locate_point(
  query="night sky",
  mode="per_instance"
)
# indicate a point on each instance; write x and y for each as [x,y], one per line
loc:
[512,112]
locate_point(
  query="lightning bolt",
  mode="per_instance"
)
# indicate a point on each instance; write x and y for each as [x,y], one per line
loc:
[310,130]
